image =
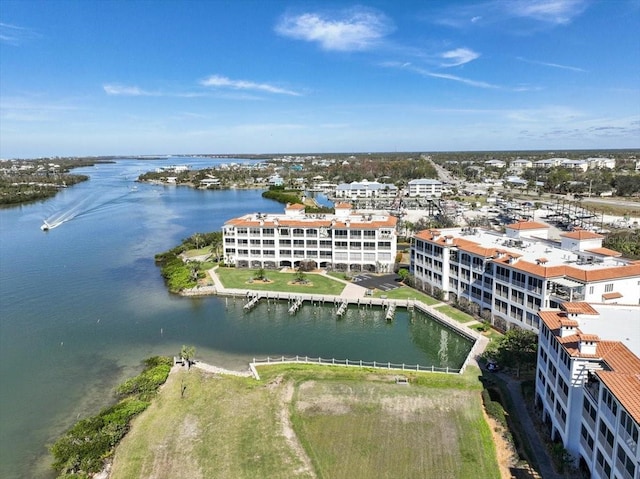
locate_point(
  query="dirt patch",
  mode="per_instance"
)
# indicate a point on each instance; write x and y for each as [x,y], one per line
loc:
[289,434]
[163,459]
[507,456]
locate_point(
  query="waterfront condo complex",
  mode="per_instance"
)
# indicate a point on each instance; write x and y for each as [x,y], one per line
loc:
[510,276]
[588,385]
[344,241]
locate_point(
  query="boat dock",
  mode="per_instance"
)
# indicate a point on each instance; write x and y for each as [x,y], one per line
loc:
[352,295]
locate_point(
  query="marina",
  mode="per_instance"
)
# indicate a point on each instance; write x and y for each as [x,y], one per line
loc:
[112,309]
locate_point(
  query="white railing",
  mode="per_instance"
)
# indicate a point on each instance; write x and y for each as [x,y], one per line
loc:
[350,363]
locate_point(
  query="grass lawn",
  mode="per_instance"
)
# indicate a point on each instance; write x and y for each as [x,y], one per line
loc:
[311,421]
[239,278]
[405,292]
[197,252]
[488,332]
[454,313]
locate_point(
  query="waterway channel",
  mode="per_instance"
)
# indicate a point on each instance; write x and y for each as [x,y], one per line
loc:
[83,304]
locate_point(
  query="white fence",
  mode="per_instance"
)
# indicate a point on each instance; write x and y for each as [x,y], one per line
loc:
[349,363]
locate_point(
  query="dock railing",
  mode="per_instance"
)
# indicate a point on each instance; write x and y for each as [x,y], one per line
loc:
[348,363]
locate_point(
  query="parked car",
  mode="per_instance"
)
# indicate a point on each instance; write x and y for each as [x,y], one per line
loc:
[493,366]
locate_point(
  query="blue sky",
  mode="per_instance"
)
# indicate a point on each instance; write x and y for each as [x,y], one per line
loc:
[160,77]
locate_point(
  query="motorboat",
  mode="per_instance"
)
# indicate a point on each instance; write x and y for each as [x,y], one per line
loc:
[45,226]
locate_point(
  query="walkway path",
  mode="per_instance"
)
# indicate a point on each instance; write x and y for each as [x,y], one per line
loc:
[217,370]
[538,448]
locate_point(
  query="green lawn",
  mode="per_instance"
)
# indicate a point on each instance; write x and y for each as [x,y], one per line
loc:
[197,252]
[338,422]
[454,313]
[405,292]
[241,278]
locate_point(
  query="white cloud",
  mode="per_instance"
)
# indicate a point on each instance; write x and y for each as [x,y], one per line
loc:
[466,81]
[553,65]
[123,90]
[444,76]
[551,11]
[459,56]
[15,35]
[355,29]
[555,12]
[219,81]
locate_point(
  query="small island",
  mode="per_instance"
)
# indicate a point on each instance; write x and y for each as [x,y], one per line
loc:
[24,181]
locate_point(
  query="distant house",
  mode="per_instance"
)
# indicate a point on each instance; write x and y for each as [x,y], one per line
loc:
[516,181]
[495,163]
[601,163]
[521,164]
[425,188]
[275,180]
[575,165]
[210,182]
[550,162]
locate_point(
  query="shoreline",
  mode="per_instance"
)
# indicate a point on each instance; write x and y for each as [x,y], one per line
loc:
[352,294]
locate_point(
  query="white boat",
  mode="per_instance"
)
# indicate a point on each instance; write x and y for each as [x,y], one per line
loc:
[45,226]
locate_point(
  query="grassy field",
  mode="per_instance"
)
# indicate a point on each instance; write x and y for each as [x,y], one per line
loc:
[241,278]
[311,421]
[404,292]
[454,313]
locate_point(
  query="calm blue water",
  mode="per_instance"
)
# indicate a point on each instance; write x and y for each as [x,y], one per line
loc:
[83,304]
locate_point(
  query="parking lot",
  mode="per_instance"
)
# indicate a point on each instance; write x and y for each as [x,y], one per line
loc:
[384,282]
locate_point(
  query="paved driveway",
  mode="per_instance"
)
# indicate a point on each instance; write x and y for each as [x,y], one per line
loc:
[383,282]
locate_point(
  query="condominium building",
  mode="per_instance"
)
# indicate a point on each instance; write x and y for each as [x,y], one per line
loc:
[366,189]
[425,188]
[511,275]
[344,241]
[588,385]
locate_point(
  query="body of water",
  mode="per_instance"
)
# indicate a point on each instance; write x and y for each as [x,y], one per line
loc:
[83,304]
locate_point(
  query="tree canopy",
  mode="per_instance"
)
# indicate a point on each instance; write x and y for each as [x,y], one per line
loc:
[517,349]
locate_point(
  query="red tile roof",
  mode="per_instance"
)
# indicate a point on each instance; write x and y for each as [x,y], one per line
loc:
[582,235]
[295,206]
[578,308]
[623,380]
[541,270]
[612,295]
[604,252]
[527,225]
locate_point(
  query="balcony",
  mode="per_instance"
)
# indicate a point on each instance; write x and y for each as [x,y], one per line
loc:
[593,390]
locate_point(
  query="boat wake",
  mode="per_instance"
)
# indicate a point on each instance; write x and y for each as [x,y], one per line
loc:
[83,207]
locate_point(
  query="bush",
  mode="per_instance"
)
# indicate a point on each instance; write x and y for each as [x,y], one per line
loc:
[148,381]
[494,408]
[82,450]
[86,445]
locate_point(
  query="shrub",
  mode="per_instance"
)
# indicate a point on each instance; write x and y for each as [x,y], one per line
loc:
[82,450]
[494,408]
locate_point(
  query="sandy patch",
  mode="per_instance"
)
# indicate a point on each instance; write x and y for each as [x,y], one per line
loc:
[290,435]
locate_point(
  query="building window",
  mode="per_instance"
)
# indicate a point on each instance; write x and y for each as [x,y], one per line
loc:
[606,434]
[608,288]
[626,461]
[590,289]
[610,401]
[602,462]
[591,410]
[629,426]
